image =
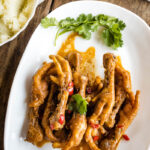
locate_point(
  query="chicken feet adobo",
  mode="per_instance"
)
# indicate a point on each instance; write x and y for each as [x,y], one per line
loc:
[68,109]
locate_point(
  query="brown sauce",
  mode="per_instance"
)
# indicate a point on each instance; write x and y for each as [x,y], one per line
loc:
[119,61]
[87,66]
[40,144]
[83,146]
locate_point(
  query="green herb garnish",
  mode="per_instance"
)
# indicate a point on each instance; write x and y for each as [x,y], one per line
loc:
[78,104]
[85,24]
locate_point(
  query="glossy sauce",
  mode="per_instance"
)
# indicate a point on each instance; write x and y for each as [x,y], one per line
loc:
[87,66]
[40,144]
[119,61]
[83,146]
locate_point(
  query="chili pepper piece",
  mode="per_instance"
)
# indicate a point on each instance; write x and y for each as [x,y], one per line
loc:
[61,119]
[126,137]
[95,138]
[95,126]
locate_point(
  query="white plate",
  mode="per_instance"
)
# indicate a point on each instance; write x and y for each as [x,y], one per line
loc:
[135,55]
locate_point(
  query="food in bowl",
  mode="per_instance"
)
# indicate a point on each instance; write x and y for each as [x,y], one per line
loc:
[13,16]
[75,109]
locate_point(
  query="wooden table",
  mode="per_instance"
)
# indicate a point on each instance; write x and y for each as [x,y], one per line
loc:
[11,53]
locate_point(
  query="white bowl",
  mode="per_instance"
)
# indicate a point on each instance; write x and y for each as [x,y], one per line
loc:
[25,25]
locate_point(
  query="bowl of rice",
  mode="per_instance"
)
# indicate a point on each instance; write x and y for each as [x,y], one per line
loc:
[14,17]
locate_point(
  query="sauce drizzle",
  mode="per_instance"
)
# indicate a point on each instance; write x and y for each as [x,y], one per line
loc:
[87,66]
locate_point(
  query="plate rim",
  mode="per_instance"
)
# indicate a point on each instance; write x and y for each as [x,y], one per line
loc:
[25,52]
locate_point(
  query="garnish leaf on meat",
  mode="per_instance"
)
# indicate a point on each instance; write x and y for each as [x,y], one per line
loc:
[78,104]
[85,24]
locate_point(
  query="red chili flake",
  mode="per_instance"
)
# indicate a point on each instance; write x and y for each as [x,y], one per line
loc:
[95,138]
[61,119]
[89,90]
[69,111]
[120,126]
[52,126]
[70,90]
[71,84]
[126,137]
[95,126]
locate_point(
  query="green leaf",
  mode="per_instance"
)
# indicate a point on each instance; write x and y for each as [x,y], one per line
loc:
[112,37]
[64,23]
[84,18]
[108,37]
[70,107]
[47,22]
[84,25]
[94,26]
[122,25]
[78,104]
[81,18]
[84,31]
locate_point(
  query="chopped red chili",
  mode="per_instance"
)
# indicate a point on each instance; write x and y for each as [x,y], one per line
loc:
[95,126]
[52,126]
[71,88]
[126,137]
[120,126]
[71,84]
[61,119]
[95,138]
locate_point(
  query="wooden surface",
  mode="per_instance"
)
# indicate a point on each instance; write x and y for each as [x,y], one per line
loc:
[11,53]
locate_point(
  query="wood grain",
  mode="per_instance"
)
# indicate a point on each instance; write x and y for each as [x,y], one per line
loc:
[11,53]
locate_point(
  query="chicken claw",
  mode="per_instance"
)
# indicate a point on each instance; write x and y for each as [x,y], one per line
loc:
[40,86]
[63,70]
[78,122]
[127,114]
[49,108]
[60,110]
[105,98]
[122,86]
[39,93]
[64,77]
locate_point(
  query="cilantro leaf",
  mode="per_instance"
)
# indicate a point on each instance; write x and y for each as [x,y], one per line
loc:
[94,26]
[47,22]
[107,37]
[122,25]
[78,104]
[112,36]
[84,31]
[65,23]
[84,25]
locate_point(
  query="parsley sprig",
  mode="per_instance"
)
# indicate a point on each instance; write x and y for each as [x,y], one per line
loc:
[78,104]
[85,24]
